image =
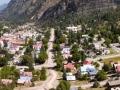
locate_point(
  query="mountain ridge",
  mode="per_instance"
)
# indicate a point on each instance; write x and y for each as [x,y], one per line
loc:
[46,10]
[3,6]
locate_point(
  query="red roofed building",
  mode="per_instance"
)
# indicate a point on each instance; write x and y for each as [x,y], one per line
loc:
[86,63]
[118,69]
[26,74]
[37,46]
[69,65]
[6,81]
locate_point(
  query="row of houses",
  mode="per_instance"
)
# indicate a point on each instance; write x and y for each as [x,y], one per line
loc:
[25,79]
[86,68]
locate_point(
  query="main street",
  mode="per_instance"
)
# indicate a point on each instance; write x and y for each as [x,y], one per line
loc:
[52,77]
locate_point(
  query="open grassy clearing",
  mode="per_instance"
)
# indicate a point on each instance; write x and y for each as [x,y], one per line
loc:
[115,59]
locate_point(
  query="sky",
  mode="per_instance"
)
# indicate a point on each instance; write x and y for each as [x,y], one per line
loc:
[4,1]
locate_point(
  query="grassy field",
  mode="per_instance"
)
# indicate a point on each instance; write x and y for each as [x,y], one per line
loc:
[116,59]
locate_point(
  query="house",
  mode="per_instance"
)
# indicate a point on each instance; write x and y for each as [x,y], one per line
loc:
[118,69]
[70,77]
[2,55]
[25,78]
[6,81]
[66,49]
[88,69]
[66,55]
[26,74]
[37,46]
[114,85]
[70,65]
[91,54]
[85,36]
[106,51]
[62,45]
[97,45]
[72,28]
[22,82]
[86,63]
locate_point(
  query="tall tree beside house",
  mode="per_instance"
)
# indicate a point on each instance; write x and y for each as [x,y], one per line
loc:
[106,67]
[28,50]
[63,85]
[3,61]
[27,60]
[101,75]
[43,74]
[59,62]
[64,75]
[30,43]
[76,57]
[45,40]
[96,84]
[42,57]
[83,57]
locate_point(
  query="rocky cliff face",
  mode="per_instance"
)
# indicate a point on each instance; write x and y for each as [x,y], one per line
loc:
[47,9]
[27,9]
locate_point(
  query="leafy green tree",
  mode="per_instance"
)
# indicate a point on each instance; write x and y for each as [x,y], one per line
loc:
[3,61]
[56,47]
[28,50]
[68,70]
[106,67]
[64,85]
[79,88]
[43,74]
[107,42]
[45,40]
[52,89]
[27,60]
[96,84]
[46,46]
[64,75]
[83,57]
[62,39]
[30,43]
[101,75]
[42,57]
[59,62]
[76,57]
[74,50]
[85,77]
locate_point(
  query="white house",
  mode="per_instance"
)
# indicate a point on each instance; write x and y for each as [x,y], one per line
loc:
[97,45]
[70,77]
[66,49]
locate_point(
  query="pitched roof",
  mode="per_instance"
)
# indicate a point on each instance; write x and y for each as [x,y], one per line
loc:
[22,81]
[86,62]
[6,81]
[70,78]
[26,74]
[25,78]
[118,68]
[114,83]
[69,65]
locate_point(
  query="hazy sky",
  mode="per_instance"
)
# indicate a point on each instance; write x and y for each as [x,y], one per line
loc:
[4,1]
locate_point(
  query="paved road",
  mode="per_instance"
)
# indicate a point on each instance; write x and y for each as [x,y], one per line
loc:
[84,86]
[52,78]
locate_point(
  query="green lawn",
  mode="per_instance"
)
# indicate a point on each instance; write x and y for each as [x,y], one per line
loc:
[116,59]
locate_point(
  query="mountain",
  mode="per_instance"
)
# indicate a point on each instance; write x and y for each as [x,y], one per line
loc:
[54,11]
[3,6]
